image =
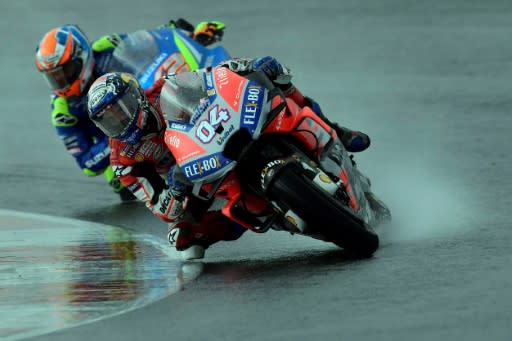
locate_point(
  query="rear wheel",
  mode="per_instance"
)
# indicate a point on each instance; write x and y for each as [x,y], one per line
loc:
[322,212]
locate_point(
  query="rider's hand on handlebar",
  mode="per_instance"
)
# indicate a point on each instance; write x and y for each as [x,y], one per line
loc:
[277,73]
[181,24]
[208,32]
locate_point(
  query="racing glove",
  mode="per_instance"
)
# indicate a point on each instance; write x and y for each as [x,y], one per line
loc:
[277,73]
[178,190]
[107,42]
[181,24]
[208,32]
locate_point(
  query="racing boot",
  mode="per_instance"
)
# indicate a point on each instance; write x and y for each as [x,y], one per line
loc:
[354,141]
[192,239]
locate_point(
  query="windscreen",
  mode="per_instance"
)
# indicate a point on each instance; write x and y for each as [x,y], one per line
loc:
[182,95]
[135,53]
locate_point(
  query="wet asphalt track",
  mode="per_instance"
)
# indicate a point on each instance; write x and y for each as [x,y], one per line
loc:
[430,83]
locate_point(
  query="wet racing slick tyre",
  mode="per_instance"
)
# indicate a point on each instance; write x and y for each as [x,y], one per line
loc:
[322,212]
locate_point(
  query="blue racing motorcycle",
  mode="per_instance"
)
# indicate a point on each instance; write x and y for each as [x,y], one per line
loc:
[151,54]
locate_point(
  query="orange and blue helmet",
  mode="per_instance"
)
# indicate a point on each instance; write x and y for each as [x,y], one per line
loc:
[65,58]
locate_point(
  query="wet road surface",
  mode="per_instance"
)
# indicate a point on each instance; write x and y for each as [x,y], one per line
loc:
[428,81]
[56,273]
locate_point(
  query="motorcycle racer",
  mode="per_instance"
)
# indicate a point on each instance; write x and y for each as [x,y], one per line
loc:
[143,163]
[70,63]
[141,160]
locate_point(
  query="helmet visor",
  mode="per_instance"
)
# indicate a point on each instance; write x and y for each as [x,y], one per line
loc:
[62,76]
[115,119]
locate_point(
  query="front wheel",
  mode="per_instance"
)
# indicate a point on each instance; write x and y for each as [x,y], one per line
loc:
[322,212]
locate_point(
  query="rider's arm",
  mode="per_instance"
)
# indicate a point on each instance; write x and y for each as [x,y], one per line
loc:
[205,33]
[90,152]
[276,72]
[108,42]
[148,186]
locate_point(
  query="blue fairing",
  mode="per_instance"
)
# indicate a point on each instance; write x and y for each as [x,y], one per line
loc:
[147,53]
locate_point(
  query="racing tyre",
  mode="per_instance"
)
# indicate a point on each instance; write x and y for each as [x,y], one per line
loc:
[322,212]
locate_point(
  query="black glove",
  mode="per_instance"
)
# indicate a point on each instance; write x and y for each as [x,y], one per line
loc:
[181,24]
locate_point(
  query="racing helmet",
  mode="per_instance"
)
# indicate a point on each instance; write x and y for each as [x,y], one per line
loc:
[183,96]
[118,106]
[65,58]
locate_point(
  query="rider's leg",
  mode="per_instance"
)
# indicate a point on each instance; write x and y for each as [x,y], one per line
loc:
[354,141]
[193,238]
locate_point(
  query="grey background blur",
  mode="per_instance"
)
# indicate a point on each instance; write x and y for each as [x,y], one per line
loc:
[429,81]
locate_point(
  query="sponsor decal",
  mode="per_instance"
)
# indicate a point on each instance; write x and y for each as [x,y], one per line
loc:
[72,144]
[209,80]
[188,147]
[221,76]
[151,68]
[203,166]
[64,120]
[229,86]
[174,64]
[280,119]
[173,141]
[251,107]
[148,150]
[165,203]
[98,158]
[324,178]
[134,187]
[128,151]
[225,135]
[121,170]
[97,93]
[178,126]
[291,220]
[269,170]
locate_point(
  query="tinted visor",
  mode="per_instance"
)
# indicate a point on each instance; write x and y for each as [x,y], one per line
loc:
[115,119]
[62,76]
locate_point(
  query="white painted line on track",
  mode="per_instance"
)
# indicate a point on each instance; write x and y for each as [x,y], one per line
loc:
[57,273]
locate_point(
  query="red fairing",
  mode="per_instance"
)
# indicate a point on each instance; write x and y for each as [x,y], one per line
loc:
[303,123]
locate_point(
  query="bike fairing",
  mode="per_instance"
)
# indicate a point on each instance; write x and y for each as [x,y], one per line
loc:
[209,166]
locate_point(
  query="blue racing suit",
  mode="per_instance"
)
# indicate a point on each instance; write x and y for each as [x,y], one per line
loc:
[82,139]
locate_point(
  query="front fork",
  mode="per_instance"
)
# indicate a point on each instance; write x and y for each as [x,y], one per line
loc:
[339,164]
[292,221]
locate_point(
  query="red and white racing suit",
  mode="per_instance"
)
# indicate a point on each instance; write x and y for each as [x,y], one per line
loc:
[143,168]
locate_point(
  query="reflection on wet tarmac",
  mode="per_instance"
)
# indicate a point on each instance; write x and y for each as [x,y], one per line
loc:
[56,273]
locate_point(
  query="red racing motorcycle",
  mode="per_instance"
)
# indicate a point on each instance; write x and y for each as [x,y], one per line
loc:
[266,162]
